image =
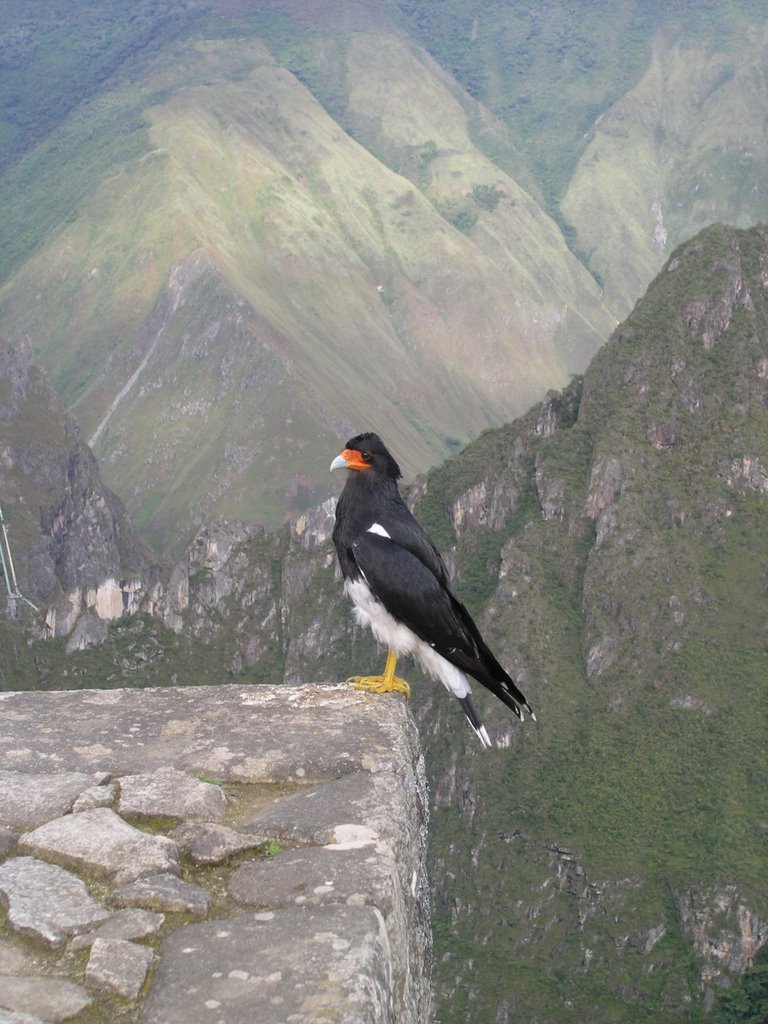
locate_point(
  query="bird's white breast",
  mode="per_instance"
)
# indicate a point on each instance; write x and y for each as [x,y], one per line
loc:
[369,611]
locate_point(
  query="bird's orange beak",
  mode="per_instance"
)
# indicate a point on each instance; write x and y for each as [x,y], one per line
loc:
[349,459]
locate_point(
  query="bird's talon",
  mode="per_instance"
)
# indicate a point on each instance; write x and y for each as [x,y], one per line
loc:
[379,684]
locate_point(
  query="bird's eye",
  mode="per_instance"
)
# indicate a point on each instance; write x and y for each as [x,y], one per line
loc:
[366,456]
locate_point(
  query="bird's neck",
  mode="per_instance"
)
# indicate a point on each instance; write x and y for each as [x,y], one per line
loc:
[358,489]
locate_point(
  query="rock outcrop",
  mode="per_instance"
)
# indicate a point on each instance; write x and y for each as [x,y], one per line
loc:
[260,853]
[75,552]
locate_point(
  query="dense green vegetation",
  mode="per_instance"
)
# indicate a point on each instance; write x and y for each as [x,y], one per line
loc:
[667,606]
[747,1001]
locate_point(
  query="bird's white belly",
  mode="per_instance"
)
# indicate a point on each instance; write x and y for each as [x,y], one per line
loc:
[371,612]
[399,638]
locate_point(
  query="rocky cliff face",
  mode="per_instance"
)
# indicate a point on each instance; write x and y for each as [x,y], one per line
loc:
[74,549]
[627,572]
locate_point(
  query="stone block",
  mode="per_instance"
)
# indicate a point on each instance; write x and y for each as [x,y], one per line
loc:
[316,876]
[213,844]
[17,1017]
[30,799]
[46,902]
[96,796]
[325,963]
[163,892]
[169,793]
[233,733]
[132,923]
[49,999]
[100,842]
[119,966]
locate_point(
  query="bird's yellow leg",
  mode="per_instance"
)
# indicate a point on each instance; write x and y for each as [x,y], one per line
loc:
[388,682]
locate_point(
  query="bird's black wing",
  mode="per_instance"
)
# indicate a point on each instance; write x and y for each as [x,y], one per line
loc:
[361,512]
[415,595]
[406,532]
[409,590]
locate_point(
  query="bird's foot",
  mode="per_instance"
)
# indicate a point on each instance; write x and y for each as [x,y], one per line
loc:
[380,684]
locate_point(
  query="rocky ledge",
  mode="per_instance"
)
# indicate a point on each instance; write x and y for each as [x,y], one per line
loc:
[219,854]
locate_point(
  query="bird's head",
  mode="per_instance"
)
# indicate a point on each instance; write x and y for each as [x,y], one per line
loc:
[367,453]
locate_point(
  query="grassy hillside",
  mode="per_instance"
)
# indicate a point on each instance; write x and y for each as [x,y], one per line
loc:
[281,287]
[413,217]
[631,590]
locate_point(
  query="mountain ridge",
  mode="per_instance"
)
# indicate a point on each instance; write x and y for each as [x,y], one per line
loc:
[428,213]
[291,214]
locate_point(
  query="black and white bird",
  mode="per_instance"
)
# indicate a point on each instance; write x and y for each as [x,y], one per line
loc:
[399,586]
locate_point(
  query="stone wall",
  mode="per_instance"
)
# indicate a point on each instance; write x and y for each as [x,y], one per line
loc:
[218,854]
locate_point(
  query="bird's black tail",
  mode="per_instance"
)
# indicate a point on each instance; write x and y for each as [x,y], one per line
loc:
[489,672]
[472,717]
[508,692]
[480,663]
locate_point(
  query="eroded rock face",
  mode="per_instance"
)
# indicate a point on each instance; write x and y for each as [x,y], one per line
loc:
[748,474]
[75,550]
[722,927]
[709,318]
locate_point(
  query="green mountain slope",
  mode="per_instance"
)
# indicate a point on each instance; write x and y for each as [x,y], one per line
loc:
[415,217]
[255,283]
[616,846]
